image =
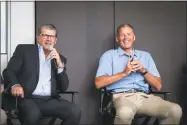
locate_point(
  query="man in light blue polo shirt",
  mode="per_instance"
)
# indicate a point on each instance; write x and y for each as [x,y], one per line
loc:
[128,73]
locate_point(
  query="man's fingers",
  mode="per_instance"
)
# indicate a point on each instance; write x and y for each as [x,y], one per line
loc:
[22,95]
[137,69]
[17,91]
[53,52]
[13,92]
[134,63]
[136,66]
[54,57]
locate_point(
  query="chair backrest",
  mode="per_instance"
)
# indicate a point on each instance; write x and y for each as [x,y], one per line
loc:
[106,104]
[8,101]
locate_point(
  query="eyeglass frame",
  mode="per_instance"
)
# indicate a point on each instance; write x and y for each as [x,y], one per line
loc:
[45,36]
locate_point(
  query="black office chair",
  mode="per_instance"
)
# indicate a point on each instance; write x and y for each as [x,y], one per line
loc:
[107,109]
[9,104]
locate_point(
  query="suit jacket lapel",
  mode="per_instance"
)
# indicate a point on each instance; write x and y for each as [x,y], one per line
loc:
[53,80]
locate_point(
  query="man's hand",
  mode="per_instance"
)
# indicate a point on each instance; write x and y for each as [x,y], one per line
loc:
[134,66]
[137,66]
[129,68]
[1,90]
[54,55]
[17,90]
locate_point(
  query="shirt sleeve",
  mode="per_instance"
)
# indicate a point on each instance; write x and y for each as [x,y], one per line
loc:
[151,66]
[60,70]
[105,65]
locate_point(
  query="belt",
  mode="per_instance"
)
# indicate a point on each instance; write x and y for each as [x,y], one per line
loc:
[130,91]
[133,91]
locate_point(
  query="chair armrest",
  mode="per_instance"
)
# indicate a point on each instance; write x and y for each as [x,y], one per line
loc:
[104,93]
[69,92]
[161,93]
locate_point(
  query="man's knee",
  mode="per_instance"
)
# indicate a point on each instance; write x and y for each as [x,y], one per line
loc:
[175,112]
[125,113]
[3,117]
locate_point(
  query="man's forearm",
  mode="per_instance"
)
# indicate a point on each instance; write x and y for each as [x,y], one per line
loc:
[153,81]
[62,81]
[10,78]
[103,81]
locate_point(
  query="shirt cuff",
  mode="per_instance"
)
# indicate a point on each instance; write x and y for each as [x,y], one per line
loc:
[60,70]
[15,85]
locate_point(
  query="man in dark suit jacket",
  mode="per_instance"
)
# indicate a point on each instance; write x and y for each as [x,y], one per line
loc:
[32,74]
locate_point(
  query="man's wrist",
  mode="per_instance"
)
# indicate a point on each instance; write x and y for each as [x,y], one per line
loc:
[123,74]
[143,71]
[61,65]
[60,68]
[16,85]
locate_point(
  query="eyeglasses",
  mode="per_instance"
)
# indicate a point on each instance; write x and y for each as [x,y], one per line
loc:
[45,36]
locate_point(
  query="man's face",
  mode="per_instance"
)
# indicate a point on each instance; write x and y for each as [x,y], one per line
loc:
[47,38]
[125,38]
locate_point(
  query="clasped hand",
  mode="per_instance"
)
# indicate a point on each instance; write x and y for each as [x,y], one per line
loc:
[133,66]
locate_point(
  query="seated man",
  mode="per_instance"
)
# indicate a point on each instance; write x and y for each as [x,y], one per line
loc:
[35,73]
[128,73]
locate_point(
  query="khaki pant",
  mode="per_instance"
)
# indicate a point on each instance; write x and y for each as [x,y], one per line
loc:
[127,105]
[3,117]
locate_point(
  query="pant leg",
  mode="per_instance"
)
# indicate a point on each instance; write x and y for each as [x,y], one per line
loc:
[3,117]
[29,112]
[126,108]
[167,112]
[69,112]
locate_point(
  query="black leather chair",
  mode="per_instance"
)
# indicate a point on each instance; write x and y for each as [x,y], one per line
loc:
[107,109]
[9,104]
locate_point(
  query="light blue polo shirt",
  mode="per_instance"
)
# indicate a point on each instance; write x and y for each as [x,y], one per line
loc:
[115,60]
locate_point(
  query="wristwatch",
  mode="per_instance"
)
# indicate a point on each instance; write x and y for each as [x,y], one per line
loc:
[61,66]
[144,72]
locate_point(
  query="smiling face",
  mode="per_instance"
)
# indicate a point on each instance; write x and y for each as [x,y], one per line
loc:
[125,38]
[47,37]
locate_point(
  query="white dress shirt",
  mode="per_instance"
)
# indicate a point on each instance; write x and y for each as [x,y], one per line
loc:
[43,87]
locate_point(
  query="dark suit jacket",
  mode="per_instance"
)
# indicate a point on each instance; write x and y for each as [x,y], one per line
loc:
[23,69]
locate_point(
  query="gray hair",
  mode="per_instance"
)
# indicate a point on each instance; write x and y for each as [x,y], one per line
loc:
[47,26]
[124,25]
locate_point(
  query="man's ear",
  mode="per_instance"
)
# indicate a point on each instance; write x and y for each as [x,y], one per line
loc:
[37,38]
[117,39]
[134,37]
[55,41]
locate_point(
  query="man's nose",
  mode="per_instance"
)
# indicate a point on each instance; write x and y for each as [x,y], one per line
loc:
[125,37]
[48,38]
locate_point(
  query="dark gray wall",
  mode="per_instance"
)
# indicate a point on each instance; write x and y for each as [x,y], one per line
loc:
[86,30]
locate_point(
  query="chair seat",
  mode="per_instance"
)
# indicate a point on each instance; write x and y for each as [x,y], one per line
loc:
[15,115]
